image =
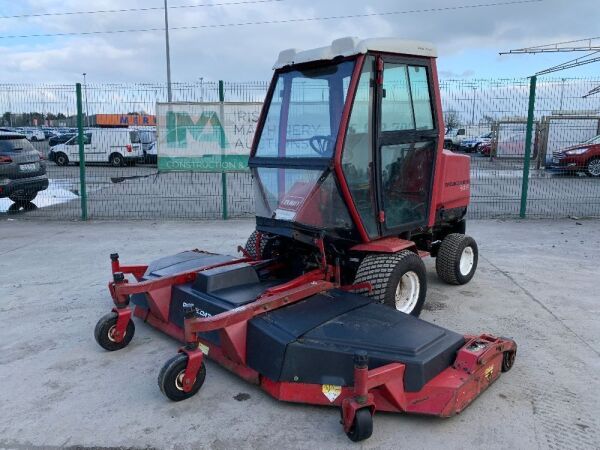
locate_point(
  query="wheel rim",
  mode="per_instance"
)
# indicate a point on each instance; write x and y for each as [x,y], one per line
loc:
[467,259]
[407,292]
[179,380]
[111,333]
[594,167]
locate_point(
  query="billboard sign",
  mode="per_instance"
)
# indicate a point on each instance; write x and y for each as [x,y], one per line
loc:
[205,137]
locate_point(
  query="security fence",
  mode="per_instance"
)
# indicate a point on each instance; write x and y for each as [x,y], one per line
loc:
[485,119]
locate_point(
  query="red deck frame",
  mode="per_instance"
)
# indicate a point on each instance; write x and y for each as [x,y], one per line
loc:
[477,365]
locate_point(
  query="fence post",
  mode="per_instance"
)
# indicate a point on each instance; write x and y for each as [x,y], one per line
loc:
[528,140]
[223,173]
[80,137]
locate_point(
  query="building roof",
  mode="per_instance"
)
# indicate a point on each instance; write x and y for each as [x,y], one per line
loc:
[348,46]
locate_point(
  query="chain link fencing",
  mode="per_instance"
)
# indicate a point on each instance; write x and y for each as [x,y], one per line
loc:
[485,119]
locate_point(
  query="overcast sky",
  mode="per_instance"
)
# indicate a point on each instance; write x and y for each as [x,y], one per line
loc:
[468,40]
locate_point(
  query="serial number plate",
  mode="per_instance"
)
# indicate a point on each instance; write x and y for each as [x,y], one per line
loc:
[28,167]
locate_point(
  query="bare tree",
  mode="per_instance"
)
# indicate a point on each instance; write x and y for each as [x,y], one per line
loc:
[451,118]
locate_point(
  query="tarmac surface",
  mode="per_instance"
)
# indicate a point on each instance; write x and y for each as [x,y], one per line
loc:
[537,282]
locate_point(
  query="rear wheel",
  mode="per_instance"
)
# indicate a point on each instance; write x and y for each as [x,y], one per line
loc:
[116,160]
[397,280]
[61,159]
[105,329]
[23,198]
[593,167]
[456,260]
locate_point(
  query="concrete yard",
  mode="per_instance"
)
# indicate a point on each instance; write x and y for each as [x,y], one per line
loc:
[537,282]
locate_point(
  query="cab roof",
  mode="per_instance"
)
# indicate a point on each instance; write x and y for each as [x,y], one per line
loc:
[348,46]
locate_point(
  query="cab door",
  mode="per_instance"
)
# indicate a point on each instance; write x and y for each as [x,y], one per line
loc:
[406,143]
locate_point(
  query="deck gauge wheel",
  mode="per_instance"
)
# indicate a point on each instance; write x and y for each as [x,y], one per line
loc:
[170,378]
[104,333]
[508,359]
[362,426]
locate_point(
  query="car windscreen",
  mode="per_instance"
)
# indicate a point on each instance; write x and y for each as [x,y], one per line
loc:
[594,140]
[10,144]
[304,112]
[147,137]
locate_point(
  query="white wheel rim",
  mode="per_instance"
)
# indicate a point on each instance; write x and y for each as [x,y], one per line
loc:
[407,292]
[467,259]
[594,167]
[179,381]
[111,334]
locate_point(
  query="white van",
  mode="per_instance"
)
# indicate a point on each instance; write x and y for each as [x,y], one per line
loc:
[115,146]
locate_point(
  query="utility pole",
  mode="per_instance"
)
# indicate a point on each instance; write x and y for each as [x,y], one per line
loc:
[87,110]
[169,95]
[562,93]
[473,111]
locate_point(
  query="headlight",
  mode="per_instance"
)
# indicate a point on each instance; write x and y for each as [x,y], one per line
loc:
[576,151]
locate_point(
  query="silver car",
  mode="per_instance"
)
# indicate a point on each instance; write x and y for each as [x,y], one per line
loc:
[22,171]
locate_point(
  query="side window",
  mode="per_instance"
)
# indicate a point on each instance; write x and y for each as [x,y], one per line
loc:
[419,88]
[87,138]
[357,159]
[406,104]
[461,132]
[396,110]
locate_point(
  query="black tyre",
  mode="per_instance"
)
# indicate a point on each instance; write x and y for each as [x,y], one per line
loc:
[104,333]
[25,197]
[398,280]
[592,168]
[264,245]
[508,359]
[362,426]
[116,160]
[456,260]
[171,375]
[61,159]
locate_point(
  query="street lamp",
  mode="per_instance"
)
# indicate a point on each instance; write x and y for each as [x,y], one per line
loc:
[169,95]
[201,89]
[562,93]
[87,111]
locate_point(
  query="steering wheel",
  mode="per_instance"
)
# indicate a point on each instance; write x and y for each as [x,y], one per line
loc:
[321,144]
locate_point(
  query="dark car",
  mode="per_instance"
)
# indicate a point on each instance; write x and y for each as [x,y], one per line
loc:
[584,157]
[22,171]
[60,139]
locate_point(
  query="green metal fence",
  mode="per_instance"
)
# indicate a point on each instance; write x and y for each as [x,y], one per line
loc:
[516,132]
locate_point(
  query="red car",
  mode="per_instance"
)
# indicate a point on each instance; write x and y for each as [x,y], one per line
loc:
[581,157]
[485,149]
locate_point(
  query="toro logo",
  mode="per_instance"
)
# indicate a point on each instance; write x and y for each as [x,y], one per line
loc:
[291,203]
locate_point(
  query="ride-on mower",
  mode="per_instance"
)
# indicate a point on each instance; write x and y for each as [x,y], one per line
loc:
[353,189]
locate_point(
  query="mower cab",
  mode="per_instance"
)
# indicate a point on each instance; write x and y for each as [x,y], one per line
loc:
[353,189]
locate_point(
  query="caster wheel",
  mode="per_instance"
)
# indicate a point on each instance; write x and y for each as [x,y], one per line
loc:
[104,333]
[170,378]
[362,426]
[508,359]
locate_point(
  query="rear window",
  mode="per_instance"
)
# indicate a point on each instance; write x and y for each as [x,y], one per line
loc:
[10,144]
[135,137]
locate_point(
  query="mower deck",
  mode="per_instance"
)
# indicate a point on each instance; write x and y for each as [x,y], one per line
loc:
[305,340]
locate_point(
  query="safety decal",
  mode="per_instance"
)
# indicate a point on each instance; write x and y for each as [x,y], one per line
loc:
[203,348]
[489,373]
[331,391]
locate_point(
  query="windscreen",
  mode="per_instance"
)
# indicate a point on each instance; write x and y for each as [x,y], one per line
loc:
[305,111]
[304,196]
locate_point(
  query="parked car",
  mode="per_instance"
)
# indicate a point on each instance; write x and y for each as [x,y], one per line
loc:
[32,134]
[453,137]
[116,146]
[22,170]
[471,145]
[49,132]
[60,139]
[584,157]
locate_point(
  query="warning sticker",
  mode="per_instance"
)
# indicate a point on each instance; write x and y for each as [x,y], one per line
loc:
[489,373]
[331,391]
[203,348]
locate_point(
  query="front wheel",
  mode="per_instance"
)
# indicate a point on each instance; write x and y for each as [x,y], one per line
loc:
[61,159]
[23,198]
[170,378]
[398,280]
[593,167]
[456,260]
[362,426]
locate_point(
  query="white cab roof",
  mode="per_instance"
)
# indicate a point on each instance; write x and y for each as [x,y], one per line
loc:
[348,46]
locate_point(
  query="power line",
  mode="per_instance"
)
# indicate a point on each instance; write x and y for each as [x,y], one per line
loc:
[269,22]
[123,10]
[560,47]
